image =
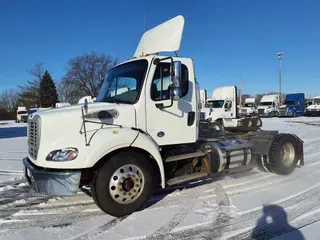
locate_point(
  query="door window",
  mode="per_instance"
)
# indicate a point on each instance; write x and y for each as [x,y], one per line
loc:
[161,85]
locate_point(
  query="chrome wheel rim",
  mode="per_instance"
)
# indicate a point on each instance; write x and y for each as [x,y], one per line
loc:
[126,184]
[287,154]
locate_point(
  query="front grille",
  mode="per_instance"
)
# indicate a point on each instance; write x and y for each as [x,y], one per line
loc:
[34,136]
[260,110]
[243,110]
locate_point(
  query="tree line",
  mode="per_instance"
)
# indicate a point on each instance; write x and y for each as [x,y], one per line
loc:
[84,77]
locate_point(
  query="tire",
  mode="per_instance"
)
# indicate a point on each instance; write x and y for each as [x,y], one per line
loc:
[119,172]
[262,163]
[217,126]
[283,165]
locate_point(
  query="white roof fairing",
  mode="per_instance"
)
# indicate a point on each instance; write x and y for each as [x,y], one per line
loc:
[165,37]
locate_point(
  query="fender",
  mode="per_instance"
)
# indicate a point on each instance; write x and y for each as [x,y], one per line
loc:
[151,147]
[105,142]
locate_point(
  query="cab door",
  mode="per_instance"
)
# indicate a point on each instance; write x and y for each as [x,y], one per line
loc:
[228,109]
[176,123]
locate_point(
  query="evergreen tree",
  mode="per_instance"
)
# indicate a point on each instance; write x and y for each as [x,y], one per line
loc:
[48,92]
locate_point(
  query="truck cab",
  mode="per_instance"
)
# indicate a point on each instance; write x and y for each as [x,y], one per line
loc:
[268,106]
[314,108]
[222,104]
[293,105]
[249,108]
[127,142]
[222,111]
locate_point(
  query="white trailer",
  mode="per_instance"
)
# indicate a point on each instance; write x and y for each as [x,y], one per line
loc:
[269,105]
[124,145]
[22,114]
[62,104]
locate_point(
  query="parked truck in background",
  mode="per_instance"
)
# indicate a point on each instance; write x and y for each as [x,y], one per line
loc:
[249,108]
[269,105]
[222,111]
[293,105]
[314,108]
[126,144]
[22,114]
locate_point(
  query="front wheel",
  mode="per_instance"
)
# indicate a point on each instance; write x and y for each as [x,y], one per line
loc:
[216,126]
[123,184]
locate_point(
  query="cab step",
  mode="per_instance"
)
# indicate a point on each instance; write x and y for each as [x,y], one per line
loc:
[185,156]
[186,178]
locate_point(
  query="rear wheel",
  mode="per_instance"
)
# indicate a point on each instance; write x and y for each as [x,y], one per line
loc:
[284,154]
[124,184]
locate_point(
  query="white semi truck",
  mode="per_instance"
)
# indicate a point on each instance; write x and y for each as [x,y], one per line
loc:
[126,144]
[222,111]
[22,114]
[314,108]
[269,105]
[249,108]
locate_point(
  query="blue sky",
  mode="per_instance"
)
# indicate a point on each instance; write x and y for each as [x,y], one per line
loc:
[226,39]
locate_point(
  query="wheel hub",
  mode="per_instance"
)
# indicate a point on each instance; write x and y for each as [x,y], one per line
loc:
[287,154]
[126,184]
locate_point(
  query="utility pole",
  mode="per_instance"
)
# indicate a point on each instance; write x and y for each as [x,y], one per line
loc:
[280,56]
[241,86]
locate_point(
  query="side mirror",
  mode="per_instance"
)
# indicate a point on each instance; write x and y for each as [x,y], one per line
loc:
[176,80]
[85,105]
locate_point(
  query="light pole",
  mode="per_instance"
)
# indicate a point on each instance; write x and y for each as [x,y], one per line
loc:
[280,56]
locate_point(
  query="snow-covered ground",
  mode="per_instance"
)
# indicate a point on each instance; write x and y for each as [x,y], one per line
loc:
[246,205]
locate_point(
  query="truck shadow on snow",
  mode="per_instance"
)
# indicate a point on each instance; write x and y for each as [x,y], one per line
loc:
[13,132]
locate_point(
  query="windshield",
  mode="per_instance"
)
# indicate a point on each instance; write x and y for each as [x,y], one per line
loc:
[265,103]
[123,83]
[215,104]
[289,102]
[317,101]
[248,104]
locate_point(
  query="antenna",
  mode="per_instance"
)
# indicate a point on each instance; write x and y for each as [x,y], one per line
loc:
[144,22]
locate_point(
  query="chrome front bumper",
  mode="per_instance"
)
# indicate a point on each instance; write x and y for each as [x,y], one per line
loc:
[51,182]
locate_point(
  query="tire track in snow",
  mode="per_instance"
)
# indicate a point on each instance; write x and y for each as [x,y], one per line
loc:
[295,207]
[165,232]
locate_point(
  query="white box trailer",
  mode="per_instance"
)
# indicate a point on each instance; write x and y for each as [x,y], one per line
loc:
[22,114]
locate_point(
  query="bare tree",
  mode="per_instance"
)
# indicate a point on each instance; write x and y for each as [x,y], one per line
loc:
[69,92]
[9,100]
[30,93]
[87,72]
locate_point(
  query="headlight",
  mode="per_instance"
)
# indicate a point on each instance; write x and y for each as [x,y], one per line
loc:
[66,154]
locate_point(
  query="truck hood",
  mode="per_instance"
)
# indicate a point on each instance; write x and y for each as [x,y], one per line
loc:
[313,107]
[264,107]
[215,113]
[108,113]
[61,128]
